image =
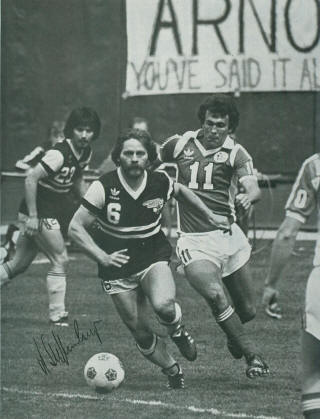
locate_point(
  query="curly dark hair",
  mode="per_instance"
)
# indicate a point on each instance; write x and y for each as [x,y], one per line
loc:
[145,139]
[222,105]
[83,116]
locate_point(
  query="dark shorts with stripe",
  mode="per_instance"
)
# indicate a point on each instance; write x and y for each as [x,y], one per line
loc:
[50,204]
[142,252]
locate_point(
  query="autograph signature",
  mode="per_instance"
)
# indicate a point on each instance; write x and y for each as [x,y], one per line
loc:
[57,352]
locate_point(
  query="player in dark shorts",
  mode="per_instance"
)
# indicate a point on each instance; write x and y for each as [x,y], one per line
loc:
[48,207]
[132,252]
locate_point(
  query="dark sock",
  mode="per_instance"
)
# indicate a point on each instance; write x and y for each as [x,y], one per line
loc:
[231,324]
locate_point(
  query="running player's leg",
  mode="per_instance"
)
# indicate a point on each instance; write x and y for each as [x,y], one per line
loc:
[132,308]
[51,242]
[240,288]
[26,251]
[310,349]
[205,277]
[158,284]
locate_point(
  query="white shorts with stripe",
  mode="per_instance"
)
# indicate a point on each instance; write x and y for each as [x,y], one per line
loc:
[312,304]
[228,251]
[116,286]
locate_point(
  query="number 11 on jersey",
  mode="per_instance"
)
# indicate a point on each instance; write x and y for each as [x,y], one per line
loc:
[193,184]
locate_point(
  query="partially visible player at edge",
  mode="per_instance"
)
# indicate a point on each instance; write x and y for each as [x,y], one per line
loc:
[48,207]
[304,198]
[210,162]
[132,252]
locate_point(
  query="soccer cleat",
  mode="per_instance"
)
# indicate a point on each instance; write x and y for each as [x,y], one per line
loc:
[274,310]
[185,343]
[256,367]
[176,381]
[61,321]
[234,349]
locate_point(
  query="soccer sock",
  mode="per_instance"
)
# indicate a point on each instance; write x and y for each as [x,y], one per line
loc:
[56,285]
[174,325]
[311,405]
[157,353]
[230,323]
[5,273]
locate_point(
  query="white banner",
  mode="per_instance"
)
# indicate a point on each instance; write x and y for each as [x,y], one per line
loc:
[195,46]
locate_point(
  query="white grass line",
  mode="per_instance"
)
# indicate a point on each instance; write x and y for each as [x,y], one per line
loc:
[211,411]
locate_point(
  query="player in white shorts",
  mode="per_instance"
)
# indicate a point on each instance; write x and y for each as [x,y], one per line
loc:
[211,163]
[303,200]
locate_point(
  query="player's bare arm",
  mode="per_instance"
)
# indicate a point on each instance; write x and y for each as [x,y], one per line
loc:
[31,185]
[281,251]
[80,186]
[185,195]
[252,192]
[79,224]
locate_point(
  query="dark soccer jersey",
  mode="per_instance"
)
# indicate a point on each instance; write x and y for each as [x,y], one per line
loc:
[64,165]
[212,174]
[128,219]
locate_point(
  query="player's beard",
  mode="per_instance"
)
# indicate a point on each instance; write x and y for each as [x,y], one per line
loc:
[134,172]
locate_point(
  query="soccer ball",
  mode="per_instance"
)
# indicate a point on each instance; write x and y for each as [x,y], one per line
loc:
[104,372]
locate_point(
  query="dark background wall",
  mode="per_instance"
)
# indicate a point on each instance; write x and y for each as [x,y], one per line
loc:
[59,54]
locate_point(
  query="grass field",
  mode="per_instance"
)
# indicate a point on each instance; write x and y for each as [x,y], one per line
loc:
[216,384]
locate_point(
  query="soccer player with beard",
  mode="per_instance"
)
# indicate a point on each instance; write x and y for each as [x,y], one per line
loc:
[210,163]
[119,226]
[48,206]
[303,200]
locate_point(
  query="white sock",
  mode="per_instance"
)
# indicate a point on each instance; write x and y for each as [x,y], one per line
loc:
[56,285]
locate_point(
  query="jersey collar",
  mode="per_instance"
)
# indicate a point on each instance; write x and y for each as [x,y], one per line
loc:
[228,144]
[134,194]
[74,151]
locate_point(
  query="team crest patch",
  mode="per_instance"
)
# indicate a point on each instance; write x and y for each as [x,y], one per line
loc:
[156,204]
[220,157]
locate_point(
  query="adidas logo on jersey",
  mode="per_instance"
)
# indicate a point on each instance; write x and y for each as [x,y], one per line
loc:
[114,193]
[188,153]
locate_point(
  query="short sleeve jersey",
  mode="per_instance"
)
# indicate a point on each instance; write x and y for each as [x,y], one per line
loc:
[64,165]
[305,196]
[305,192]
[127,218]
[213,175]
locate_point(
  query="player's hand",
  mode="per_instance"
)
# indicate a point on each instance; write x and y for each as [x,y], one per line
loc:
[270,295]
[270,302]
[219,221]
[118,258]
[242,199]
[32,226]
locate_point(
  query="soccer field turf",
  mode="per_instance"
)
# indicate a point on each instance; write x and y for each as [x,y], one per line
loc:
[216,383]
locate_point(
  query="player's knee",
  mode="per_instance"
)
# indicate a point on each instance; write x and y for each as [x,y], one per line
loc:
[17,267]
[165,309]
[216,294]
[59,261]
